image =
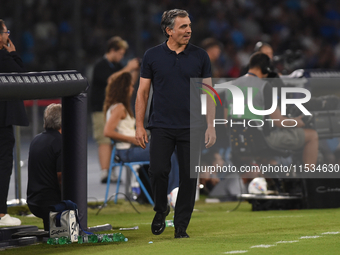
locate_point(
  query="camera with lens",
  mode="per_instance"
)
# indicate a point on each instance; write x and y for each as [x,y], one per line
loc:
[290,59]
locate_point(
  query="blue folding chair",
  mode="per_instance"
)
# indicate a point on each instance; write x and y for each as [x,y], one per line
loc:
[115,161]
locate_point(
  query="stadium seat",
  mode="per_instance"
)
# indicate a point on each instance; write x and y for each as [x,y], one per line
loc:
[116,161]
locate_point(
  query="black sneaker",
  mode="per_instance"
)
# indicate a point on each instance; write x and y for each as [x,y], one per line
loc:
[181,233]
[158,223]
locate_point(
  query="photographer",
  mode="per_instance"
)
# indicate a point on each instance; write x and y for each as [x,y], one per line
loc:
[278,136]
[272,76]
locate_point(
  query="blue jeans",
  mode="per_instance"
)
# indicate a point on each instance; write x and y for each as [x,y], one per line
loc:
[135,153]
[174,173]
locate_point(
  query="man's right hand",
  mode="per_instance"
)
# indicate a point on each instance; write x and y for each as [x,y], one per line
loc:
[141,137]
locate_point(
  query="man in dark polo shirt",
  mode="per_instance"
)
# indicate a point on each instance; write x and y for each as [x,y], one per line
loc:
[44,166]
[169,67]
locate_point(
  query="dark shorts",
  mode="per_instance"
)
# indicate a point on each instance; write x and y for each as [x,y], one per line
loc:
[286,138]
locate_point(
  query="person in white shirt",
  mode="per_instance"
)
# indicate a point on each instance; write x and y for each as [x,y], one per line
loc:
[120,121]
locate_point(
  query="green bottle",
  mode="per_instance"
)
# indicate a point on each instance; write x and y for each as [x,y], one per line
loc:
[110,236]
[52,241]
[100,238]
[118,237]
[80,239]
[122,237]
[106,239]
[115,237]
[93,239]
[64,240]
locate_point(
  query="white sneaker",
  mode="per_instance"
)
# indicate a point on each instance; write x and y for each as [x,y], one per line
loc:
[9,221]
[104,174]
[114,178]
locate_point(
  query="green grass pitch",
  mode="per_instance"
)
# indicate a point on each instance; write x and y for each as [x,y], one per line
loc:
[213,230]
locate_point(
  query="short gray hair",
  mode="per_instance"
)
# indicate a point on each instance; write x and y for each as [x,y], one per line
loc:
[168,19]
[52,117]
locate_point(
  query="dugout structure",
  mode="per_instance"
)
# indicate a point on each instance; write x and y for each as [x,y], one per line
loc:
[71,86]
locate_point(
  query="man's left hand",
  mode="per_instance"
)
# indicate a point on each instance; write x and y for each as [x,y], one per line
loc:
[210,137]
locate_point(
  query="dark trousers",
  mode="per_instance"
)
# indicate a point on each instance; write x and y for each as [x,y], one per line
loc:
[162,145]
[42,212]
[6,164]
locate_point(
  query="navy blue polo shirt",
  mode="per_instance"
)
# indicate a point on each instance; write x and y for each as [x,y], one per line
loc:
[170,75]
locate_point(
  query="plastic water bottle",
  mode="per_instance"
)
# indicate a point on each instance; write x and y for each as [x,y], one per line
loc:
[118,237]
[80,239]
[100,238]
[64,240]
[61,240]
[52,241]
[106,239]
[93,239]
[135,189]
[115,237]
[83,239]
[169,223]
[122,237]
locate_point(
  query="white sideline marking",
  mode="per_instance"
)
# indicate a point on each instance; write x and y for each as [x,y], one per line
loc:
[263,246]
[279,242]
[307,237]
[234,252]
[291,216]
[295,241]
[330,233]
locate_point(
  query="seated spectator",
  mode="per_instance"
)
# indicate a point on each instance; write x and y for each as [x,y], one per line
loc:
[120,121]
[44,166]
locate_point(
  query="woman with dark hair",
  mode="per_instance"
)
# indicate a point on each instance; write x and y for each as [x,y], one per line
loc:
[120,122]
